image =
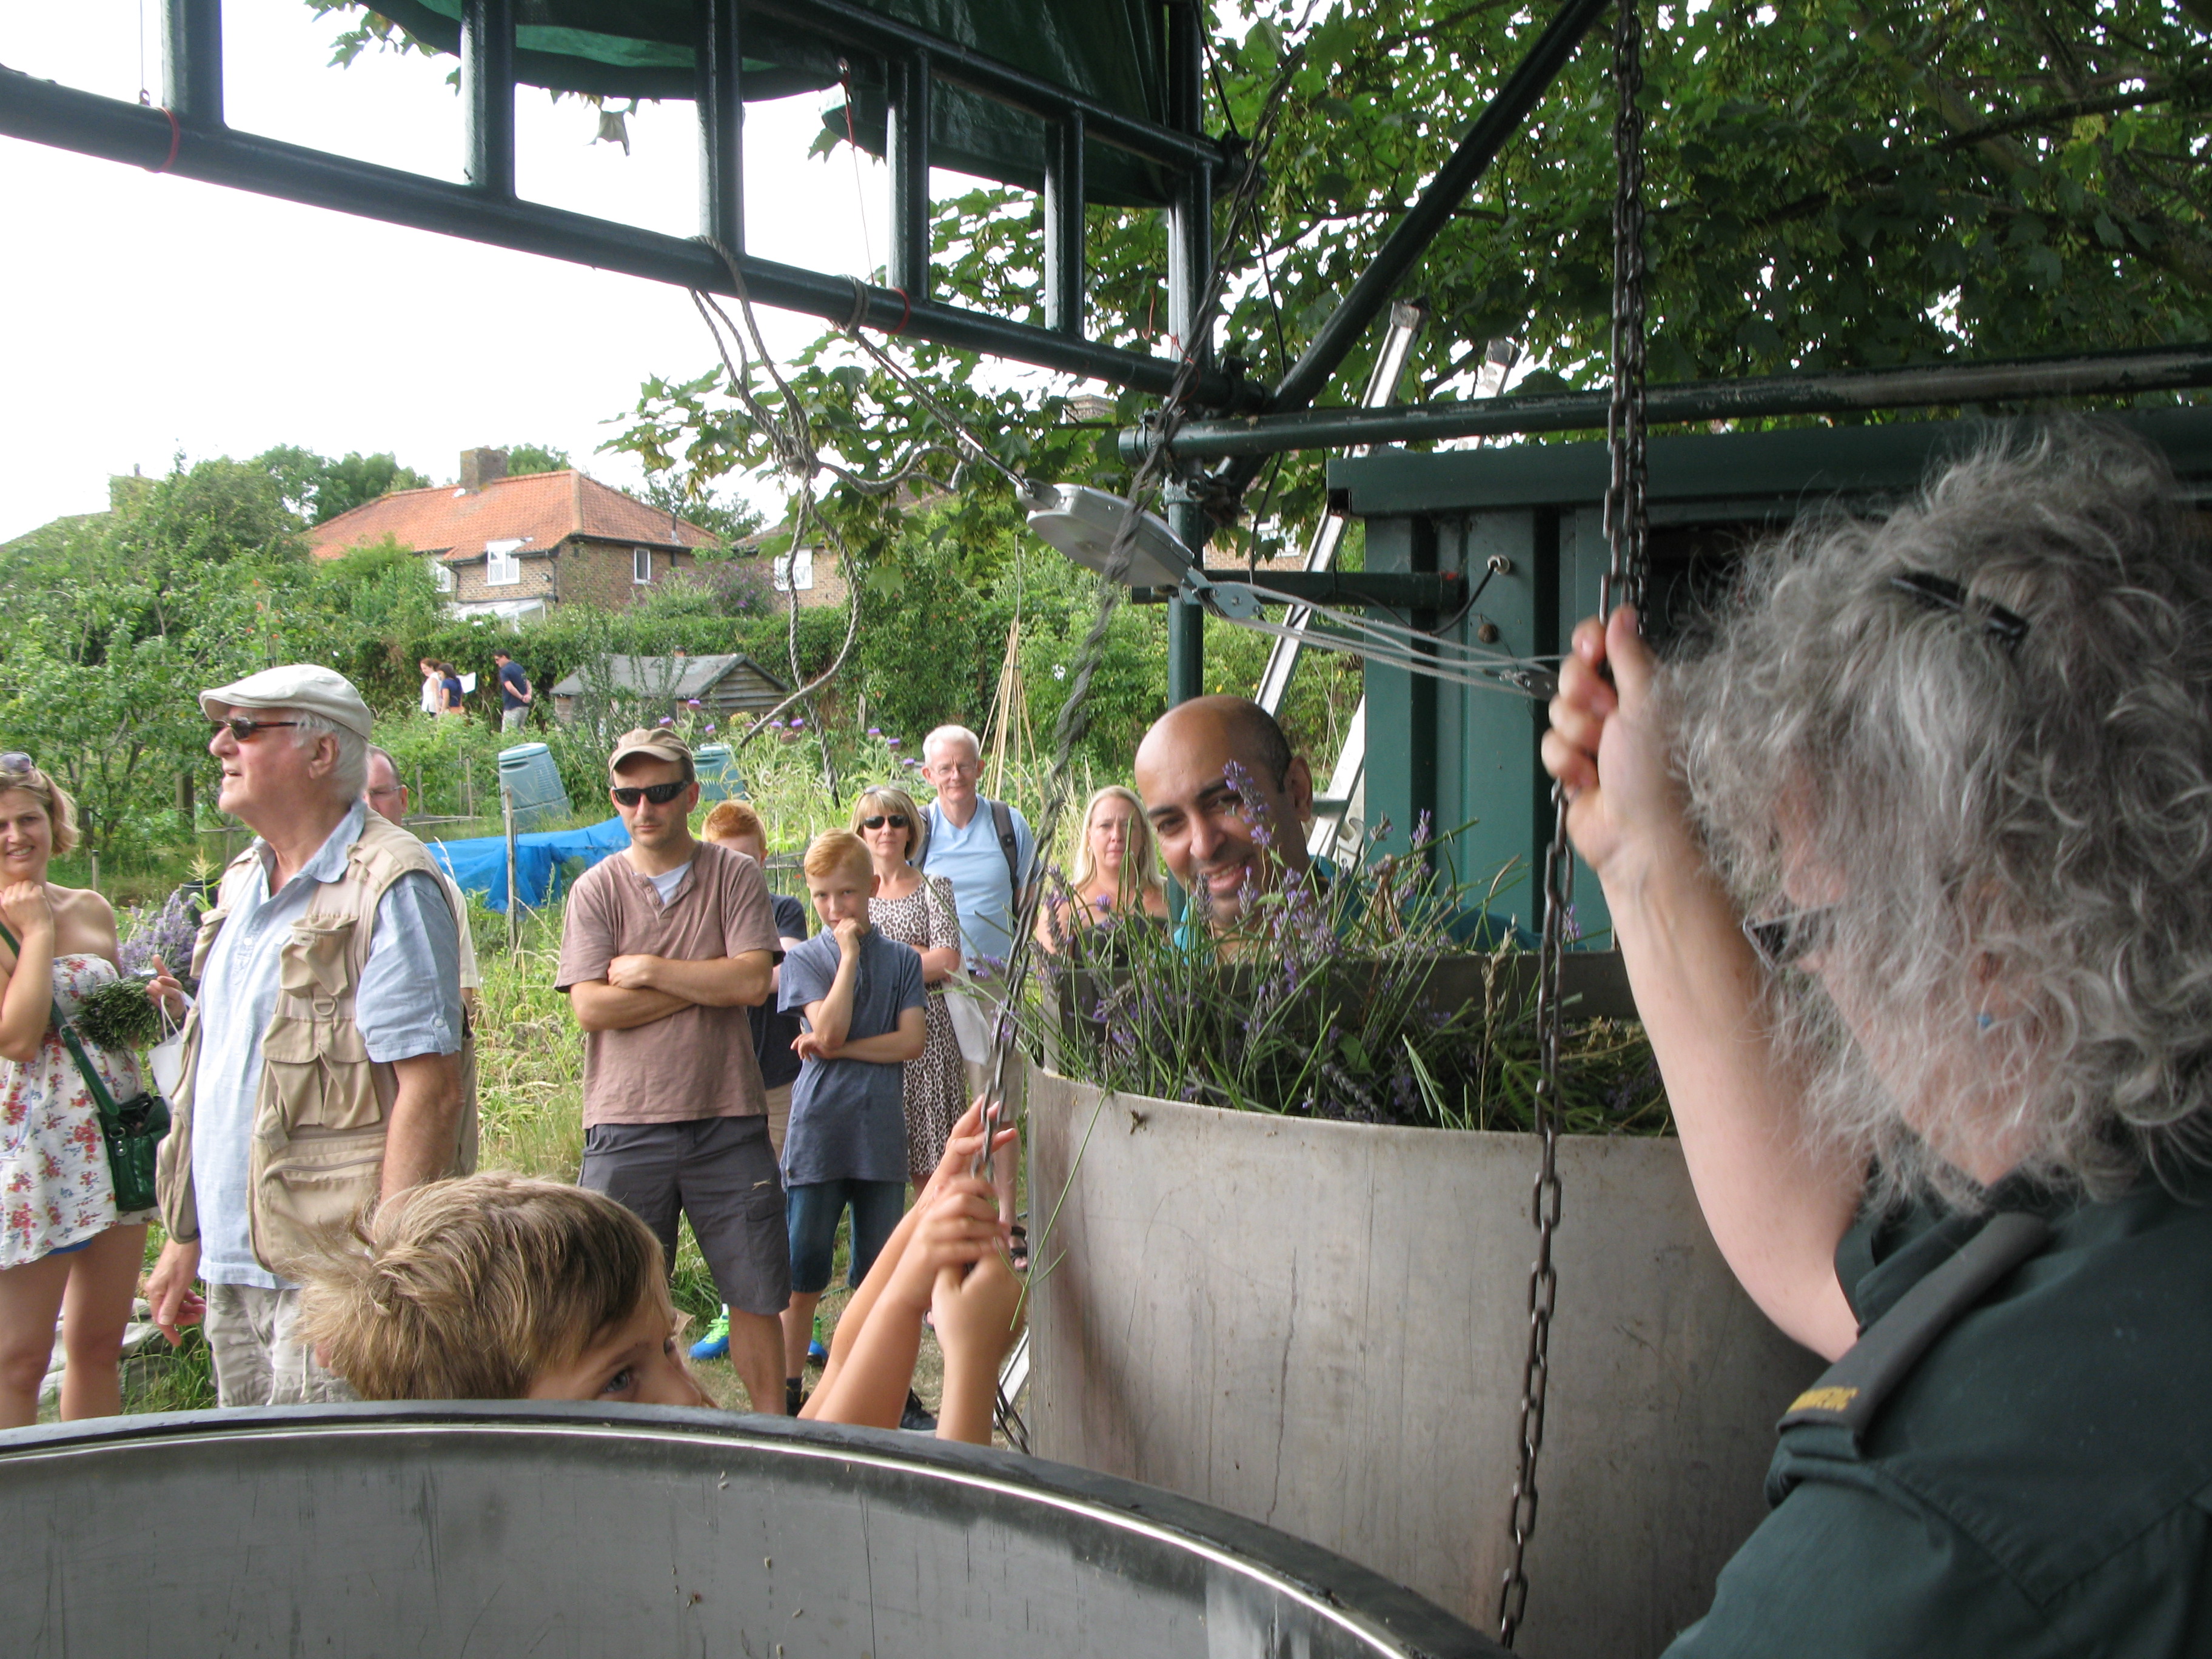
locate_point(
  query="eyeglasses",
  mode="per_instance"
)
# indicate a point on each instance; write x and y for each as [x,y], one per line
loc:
[17,761]
[658,793]
[1785,940]
[2007,628]
[876,821]
[244,729]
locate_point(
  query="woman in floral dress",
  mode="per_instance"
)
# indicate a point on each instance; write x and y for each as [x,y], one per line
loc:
[910,908]
[64,1250]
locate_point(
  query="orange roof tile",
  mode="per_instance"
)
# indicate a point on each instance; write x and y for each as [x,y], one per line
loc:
[538,509]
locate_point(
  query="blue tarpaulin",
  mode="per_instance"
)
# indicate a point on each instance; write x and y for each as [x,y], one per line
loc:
[480,866]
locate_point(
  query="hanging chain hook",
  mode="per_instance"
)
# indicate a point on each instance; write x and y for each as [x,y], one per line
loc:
[1624,581]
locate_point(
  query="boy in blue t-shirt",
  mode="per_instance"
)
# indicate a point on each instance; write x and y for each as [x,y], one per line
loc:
[862,999]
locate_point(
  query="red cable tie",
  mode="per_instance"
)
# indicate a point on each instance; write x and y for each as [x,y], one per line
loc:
[906,311]
[176,135]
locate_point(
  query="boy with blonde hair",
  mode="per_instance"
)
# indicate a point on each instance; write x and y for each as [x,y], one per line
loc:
[862,1000]
[502,1287]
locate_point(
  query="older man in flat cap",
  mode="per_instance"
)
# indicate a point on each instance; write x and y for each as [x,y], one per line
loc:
[324,1062]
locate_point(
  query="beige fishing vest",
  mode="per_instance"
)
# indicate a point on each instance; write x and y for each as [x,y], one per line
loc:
[320,1110]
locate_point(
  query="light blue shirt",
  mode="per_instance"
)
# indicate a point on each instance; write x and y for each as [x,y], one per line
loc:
[409,1003]
[970,856]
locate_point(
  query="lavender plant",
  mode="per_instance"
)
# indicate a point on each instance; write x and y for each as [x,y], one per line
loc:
[1352,999]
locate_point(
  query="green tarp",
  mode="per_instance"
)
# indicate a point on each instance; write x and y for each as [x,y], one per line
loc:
[1110,50]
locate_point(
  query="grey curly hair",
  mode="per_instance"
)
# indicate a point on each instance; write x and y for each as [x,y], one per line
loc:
[2017,838]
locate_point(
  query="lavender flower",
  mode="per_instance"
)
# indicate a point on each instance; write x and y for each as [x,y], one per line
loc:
[877,732]
[891,742]
[167,933]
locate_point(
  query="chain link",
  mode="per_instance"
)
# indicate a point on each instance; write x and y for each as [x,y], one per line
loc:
[1623,581]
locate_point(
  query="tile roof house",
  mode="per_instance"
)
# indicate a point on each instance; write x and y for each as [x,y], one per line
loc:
[516,546]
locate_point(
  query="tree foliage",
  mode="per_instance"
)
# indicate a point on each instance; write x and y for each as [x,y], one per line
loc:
[316,488]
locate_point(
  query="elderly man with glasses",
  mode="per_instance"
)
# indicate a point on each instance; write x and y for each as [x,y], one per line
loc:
[665,947]
[325,1062]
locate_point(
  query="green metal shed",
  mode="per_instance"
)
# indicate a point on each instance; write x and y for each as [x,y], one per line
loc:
[1468,755]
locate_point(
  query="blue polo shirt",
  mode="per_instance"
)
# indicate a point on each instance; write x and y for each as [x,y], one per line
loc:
[970,856]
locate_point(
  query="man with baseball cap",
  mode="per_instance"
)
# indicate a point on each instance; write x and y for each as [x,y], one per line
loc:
[324,1062]
[664,948]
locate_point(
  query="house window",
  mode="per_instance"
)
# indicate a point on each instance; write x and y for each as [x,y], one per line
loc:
[640,565]
[502,567]
[794,569]
[441,573]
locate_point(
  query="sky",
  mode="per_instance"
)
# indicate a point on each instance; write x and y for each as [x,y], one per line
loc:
[142,316]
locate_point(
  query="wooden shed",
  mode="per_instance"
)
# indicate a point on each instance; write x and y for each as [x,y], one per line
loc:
[726,687]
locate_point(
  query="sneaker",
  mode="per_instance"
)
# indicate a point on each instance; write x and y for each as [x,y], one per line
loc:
[794,1395]
[716,1344]
[816,1354]
[916,1415]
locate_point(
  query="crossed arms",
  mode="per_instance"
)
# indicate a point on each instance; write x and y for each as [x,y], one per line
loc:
[640,989]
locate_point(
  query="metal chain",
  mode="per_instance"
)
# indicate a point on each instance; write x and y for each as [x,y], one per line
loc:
[1625,572]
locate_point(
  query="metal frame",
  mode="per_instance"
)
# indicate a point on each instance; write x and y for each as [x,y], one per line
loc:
[188,136]
[2081,375]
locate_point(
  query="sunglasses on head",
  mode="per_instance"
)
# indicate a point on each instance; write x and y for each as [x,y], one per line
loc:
[878,820]
[243,729]
[17,761]
[658,793]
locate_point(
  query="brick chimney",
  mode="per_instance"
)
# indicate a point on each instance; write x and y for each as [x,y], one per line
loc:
[482,466]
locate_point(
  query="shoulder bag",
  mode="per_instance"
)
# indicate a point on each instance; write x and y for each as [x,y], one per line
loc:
[133,1130]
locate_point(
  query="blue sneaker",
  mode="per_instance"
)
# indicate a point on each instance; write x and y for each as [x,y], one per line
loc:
[815,1354]
[715,1344]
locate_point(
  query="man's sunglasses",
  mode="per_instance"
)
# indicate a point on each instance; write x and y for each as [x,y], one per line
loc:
[896,820]
[1785,940]
[244,729]
[658,793]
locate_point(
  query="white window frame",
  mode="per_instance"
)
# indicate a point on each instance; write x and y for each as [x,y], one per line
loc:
[502,563]
[794,569]
[640,566]
[442,574]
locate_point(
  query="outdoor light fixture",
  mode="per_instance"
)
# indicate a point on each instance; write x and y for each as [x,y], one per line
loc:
[1092,526]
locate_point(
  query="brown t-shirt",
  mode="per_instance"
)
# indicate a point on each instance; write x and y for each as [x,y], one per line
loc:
[697,1062]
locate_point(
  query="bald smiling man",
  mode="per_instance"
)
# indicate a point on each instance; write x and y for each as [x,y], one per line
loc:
[1230,802]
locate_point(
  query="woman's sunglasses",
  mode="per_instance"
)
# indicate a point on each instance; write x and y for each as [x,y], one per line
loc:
[244,729]
[896,820]
[658,793]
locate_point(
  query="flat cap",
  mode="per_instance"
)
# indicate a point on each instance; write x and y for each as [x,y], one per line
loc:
[306,686]
[659,743]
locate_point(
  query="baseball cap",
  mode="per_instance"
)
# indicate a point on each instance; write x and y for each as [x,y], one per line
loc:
[306,686]
[661,745]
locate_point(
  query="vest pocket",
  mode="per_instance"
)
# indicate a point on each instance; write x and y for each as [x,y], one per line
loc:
[307,1191]
[320,1074]
[204,941]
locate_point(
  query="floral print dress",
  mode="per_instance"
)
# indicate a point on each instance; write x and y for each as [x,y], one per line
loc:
[55,1190]
[937,1083]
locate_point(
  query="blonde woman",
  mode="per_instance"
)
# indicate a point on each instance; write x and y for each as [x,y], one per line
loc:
[64,1249]
[1118,870]
[911,908]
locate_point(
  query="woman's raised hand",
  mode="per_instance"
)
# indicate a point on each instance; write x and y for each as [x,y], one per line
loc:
[23,906]
[1608,744]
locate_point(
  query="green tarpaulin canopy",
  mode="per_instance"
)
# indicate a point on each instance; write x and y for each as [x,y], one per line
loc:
[1109,51]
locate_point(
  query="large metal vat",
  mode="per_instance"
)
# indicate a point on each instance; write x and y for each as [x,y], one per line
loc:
[529,1528]
[1323,1327]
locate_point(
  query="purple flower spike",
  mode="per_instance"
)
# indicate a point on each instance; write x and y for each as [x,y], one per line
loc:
[891,742]
[876,731]
[668,720]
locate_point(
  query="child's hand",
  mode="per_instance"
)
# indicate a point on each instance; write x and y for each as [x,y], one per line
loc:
[959,1225]
[850,931]
[975,1314]
[807,1046]
[961,1147]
